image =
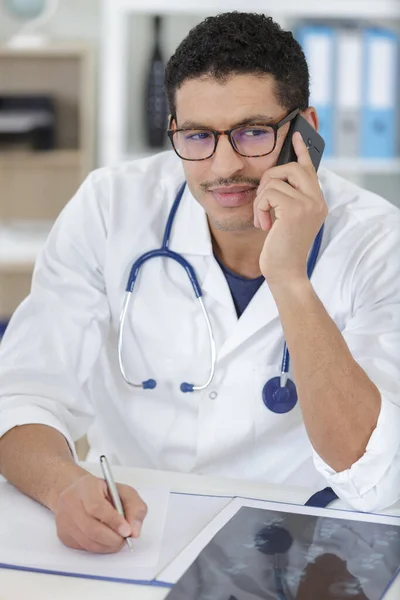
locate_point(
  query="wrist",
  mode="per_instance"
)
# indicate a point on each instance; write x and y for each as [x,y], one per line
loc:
[67,474]
[290,285]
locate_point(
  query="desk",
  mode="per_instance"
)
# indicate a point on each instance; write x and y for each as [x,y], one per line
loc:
[15,585]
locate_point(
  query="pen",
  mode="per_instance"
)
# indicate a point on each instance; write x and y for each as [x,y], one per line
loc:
[112,488]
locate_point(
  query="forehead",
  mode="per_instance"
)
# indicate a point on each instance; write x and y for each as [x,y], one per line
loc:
[206,100]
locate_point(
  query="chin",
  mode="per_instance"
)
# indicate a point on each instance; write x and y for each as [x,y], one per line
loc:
[233,224]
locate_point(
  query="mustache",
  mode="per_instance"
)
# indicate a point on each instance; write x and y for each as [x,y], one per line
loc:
[222,182]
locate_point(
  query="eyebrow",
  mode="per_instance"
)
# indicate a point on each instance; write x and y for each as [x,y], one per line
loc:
[260,118]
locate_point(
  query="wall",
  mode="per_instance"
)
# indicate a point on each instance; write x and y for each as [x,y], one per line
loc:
[74,18]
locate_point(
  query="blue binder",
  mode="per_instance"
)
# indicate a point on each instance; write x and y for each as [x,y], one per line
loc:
[380,92]
[319,46]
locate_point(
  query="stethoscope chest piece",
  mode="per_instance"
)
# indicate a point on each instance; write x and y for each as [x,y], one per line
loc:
[279,399]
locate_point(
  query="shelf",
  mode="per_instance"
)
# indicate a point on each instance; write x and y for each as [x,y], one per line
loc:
[363,166]
[118,102]
[48,159]
[51,50]
[361,9]
[20,243]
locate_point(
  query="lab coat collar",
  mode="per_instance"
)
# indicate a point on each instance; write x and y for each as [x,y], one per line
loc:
[190,233]
[191,236]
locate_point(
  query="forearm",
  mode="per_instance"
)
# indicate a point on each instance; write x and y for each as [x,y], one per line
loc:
[340,404]
[37,460]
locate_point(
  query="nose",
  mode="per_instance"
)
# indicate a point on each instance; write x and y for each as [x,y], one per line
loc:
[226,161]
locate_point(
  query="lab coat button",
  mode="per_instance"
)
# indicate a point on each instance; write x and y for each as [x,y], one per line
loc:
[213,395]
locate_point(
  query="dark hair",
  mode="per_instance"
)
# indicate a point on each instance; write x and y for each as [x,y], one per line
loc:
[235,43]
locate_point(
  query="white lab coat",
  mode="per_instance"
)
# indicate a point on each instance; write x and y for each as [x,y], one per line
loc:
[59,364]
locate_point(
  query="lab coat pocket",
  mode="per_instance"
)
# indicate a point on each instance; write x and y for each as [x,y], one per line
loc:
[282,437]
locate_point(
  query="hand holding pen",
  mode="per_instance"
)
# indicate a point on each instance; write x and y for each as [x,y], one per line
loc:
[86,518]
[113,491]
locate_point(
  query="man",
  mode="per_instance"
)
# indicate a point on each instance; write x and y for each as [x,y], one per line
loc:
[246,226]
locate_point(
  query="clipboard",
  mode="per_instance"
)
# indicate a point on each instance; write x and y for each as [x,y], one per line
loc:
[183,537]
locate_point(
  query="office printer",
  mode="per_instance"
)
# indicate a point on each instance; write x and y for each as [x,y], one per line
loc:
[27,121]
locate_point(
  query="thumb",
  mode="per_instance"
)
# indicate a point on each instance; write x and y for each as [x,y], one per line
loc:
[301,149]
[134,507]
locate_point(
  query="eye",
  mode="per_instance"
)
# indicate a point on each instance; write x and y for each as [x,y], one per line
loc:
[255,132]
[197,136]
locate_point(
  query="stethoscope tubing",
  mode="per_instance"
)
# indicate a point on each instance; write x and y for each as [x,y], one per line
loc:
[165,252]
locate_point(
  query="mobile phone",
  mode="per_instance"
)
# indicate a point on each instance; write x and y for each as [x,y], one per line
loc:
[315,143]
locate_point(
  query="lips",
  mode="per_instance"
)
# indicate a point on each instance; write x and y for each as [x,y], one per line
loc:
[236,195]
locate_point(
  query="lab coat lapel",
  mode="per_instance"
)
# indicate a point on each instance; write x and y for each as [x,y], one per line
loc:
[261,311]
[191,237]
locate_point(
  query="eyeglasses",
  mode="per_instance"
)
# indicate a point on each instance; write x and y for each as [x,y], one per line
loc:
[252,141]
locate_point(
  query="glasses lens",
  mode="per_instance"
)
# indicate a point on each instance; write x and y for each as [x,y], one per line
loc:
[193,144]
[254,140]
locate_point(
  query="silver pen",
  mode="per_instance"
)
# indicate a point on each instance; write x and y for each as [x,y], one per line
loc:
[112,488]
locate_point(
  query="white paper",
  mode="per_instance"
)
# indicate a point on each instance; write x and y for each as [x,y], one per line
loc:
[28,535]
[28,538]
[187,516]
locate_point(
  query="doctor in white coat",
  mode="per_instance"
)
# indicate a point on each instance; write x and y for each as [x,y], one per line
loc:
[247,227]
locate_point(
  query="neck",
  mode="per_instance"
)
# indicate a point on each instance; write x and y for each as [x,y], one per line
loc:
[239,251]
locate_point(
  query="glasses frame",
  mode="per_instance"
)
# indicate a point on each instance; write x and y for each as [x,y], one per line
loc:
[228,132]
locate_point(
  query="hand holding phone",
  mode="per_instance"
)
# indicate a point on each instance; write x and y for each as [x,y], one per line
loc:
[290,205]
[311,137]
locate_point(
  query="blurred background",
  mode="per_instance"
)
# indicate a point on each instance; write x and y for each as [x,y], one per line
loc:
[81,87]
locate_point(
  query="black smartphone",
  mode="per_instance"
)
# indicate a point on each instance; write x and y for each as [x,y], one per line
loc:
[313,140]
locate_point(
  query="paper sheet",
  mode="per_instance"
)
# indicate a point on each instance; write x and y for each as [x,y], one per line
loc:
[28,538]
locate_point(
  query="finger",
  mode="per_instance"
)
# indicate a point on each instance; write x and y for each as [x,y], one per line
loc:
[279,185]
[99,533]
[71,542]
[302,151]
[278,202]
[96,504]
[267,207]
[265,219]
[294,174]
[92,544]
[134,507]
[260,216]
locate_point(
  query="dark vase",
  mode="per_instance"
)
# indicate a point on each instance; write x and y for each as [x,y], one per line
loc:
[156,110]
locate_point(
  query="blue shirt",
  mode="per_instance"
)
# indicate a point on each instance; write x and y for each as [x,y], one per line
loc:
[242,289]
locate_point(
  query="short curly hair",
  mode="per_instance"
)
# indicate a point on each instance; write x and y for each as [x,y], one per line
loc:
[234,43]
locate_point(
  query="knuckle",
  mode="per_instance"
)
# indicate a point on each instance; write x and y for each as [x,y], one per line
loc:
[143,509]
[91,546]
[69,541]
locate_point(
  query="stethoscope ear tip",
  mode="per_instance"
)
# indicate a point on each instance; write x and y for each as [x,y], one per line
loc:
[187,387]
[150,384]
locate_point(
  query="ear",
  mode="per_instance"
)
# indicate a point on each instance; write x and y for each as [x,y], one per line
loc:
[310,115]
[171,122]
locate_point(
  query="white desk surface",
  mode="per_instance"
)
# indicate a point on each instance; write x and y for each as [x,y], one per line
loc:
[17,585]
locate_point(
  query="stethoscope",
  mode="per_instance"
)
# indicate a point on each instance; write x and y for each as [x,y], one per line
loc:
[279,393]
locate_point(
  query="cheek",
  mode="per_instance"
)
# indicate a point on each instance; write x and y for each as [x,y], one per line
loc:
[257,166]
[195,173]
